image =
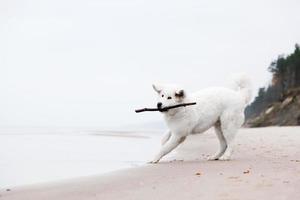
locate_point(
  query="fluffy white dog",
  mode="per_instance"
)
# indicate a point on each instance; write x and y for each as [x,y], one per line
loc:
[219,107]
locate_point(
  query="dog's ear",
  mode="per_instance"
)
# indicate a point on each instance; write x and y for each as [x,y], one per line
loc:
[157,88]
[180,93]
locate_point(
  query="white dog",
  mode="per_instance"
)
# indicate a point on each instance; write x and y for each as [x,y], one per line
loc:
[221,108]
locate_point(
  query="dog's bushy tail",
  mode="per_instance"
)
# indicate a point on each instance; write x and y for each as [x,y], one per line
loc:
[243,84]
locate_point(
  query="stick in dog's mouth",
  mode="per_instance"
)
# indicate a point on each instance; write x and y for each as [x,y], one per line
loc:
[165,108]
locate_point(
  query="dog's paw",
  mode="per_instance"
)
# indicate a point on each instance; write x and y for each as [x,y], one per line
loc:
[212,158]
[153,162]
[224,158]
[215,156]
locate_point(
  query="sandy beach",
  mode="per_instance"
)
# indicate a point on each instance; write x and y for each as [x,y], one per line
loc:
[266,164]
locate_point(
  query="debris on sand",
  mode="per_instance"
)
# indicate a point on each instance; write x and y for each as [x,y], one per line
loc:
[233,177]
[198,174]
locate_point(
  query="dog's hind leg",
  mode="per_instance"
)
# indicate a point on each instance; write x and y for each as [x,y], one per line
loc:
[222,142]
[229,135]
[230,126]
[171,144]
[166,137]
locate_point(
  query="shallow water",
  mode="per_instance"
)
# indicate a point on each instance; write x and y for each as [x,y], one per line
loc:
[29,157]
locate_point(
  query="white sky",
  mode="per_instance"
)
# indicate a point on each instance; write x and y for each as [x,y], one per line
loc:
[91,63]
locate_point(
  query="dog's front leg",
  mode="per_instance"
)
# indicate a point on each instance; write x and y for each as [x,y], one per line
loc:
[166,137]
[171,144]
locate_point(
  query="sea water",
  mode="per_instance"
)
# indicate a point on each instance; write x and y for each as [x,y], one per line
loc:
[39,155]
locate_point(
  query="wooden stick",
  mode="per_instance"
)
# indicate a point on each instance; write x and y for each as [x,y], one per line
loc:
[165,108]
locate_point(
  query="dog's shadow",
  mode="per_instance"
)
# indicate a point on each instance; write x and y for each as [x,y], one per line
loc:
[193,162]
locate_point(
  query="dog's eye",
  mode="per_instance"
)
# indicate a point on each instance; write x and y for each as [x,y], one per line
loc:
[169,97]
[162,95]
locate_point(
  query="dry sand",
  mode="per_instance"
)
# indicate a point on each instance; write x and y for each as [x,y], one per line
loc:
[266,165]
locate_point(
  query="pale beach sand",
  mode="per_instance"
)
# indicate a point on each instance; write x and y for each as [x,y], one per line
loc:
[265,165]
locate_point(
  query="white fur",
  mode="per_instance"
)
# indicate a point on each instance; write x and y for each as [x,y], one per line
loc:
[219,107]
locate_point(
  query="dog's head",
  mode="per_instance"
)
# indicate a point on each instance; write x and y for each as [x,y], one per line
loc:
[168,95]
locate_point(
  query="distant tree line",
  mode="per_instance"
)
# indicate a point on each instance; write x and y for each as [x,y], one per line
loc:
[285,77]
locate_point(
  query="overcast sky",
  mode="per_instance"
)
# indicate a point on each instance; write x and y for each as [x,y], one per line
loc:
[91,63]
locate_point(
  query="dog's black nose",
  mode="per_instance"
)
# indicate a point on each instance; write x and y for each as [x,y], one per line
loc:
[159,104]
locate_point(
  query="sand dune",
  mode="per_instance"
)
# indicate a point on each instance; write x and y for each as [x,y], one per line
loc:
[266,165]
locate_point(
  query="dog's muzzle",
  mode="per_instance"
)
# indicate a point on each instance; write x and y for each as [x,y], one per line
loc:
[159,105]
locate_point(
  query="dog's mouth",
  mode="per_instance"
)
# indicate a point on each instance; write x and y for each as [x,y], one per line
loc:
[160,109]
[164,109]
